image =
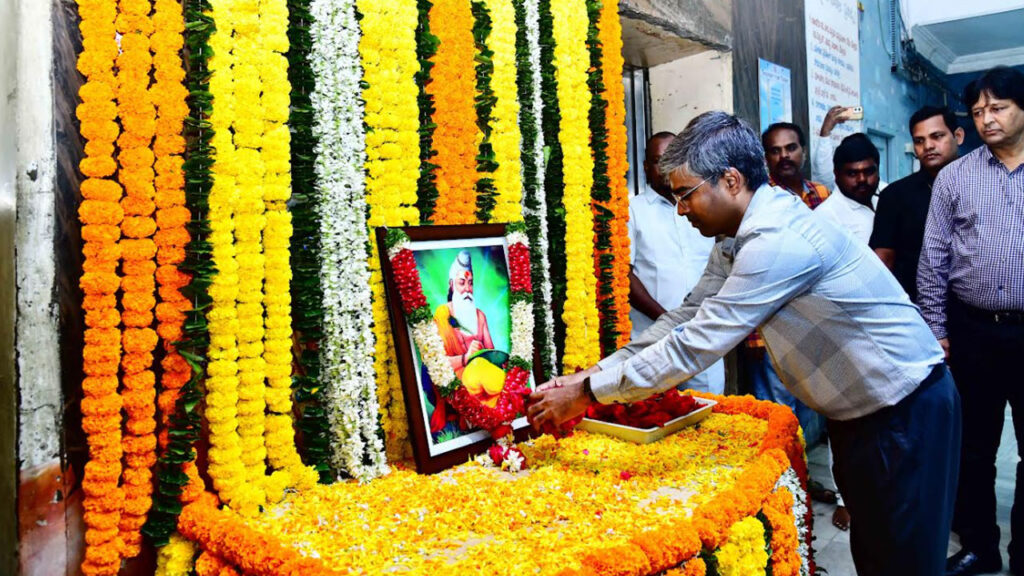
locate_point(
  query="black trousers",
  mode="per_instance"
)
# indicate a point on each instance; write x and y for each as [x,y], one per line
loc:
[897,472]
[986,358]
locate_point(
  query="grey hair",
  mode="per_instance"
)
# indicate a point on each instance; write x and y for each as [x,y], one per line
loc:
[714,142]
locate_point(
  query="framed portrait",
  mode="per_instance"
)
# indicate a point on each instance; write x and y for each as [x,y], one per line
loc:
[464,274]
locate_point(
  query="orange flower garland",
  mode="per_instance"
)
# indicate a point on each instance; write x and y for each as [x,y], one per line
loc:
[100,214]
[456,138]
[223,533]
[210,565]
[138,117]
[610,36]
[778,508]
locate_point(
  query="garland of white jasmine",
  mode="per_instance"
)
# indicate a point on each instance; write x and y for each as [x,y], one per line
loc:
[498,420]
[348,342]
[790,480]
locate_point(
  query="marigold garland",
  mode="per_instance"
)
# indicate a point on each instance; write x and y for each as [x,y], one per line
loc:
[729,480]
[209,564]
[100,214]
[226,468]
[457,136]
[356,449]
[785,557]
[220,533]
[610,37]
[185,346]
[504,134]
[176,558]
[387,51]
[744,553]
[572,61]
[135,158]
[275,153]
[484,100]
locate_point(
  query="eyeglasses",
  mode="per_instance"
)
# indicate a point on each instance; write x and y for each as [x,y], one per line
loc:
[681,196]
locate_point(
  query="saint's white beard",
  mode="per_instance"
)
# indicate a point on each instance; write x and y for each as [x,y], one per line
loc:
[464,310]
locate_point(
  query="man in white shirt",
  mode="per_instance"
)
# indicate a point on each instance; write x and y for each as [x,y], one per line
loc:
[856,172]
[667,257]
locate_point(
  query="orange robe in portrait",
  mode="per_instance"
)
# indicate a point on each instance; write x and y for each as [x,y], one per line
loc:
[456,343]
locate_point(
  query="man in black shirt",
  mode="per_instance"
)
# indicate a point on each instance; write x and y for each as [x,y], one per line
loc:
[903,206]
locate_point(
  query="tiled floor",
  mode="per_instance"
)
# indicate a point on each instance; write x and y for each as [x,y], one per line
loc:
[832,546]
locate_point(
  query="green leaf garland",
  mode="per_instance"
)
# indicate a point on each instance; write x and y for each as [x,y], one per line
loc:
[486,163]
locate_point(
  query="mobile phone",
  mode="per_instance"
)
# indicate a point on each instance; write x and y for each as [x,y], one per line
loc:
[853,113]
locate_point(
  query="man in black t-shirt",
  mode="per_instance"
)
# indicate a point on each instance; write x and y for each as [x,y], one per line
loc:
[903,206]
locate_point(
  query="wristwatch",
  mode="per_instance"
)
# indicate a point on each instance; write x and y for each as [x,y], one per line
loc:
[588,391]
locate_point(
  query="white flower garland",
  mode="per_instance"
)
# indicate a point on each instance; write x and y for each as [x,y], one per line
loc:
[790,480]
[346,355]
[544,290]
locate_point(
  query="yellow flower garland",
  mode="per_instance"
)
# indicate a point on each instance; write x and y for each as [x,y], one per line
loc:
[250,220]
[743,554]
[177,558]
[226,468]
[279,431]
[505,136]
[388,53]
[572,60]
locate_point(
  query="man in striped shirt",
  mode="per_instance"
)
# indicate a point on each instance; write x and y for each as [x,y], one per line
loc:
[970,283]
[842,332]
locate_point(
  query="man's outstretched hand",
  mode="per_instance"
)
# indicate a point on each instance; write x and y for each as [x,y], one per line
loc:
[553,405]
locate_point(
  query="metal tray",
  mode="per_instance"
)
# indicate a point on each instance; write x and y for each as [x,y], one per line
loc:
[648,435]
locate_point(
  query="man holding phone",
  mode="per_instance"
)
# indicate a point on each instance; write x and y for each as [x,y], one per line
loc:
[823,149]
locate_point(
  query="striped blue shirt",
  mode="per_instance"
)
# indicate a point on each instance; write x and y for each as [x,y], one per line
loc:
[974,239]
[842,334]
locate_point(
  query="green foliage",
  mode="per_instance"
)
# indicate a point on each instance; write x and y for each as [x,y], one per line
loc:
[426,48]
[307,293]
[486,163]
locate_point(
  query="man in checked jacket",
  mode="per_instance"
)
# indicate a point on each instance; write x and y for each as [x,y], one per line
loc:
[842,332]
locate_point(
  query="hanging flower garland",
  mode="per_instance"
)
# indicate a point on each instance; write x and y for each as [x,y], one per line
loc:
[554,182]
[600,194]
[610,38]
[226,468]
[209,564]
[497,420]
[307,295]
[348,344]
[100,214]
[426,48]
[176,558]
[534,204]
[456,136]
[135,159]
[275,153]
[249,214]
[803,517]
[387,50]
[504,134]
[572,60]
[484,100]
[177,475]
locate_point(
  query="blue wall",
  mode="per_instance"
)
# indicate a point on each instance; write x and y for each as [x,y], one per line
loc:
[888,100]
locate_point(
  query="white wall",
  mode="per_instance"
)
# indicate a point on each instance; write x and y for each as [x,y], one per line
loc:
[37,336]
[682,89]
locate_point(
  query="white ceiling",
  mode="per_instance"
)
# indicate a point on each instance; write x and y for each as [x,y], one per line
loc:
[958,36]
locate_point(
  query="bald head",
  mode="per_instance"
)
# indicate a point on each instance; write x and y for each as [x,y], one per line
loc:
[656,146]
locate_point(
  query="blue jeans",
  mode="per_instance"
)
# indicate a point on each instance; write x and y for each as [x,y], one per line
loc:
[767,386]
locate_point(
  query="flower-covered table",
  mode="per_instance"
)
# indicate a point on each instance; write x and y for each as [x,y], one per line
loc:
[724,497]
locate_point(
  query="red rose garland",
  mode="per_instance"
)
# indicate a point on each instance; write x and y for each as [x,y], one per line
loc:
[497,420]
